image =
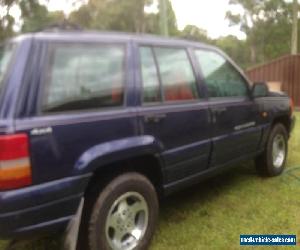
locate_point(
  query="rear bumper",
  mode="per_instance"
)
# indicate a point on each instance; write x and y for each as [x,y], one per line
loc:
[41,208]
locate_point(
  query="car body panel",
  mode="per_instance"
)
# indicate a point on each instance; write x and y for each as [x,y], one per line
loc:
[66,149]
[123,149]
[52,204]
[235,129]
[186,143]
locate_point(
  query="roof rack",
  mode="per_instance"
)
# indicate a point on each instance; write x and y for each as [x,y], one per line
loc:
[62,26]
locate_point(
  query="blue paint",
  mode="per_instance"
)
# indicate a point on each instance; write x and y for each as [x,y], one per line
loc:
[192,141]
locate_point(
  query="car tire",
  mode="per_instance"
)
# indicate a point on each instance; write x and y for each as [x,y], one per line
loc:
[272,161]
[123,215]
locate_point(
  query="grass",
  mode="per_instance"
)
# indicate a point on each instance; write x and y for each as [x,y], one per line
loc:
[212,215]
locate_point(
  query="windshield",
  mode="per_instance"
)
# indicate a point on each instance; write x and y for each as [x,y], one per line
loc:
[6,52]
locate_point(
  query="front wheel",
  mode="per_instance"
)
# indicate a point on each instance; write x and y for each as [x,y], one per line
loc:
[124,214]
[273,159]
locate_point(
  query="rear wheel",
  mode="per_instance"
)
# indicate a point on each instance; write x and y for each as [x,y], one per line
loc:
[273,159]
[124,214]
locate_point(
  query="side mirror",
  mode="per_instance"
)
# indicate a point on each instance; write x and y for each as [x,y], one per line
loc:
[260,89]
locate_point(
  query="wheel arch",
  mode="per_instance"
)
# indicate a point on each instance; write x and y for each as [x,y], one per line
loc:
[148,165]
[284,120]
[139,154]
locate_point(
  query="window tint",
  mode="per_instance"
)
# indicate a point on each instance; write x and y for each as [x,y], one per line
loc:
[151,88]
[84,77]
[6,53]
[221,78]
[176,73]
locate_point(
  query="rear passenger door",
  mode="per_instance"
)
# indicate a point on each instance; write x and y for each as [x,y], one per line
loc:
[84,101]
[173,111]
[234,114]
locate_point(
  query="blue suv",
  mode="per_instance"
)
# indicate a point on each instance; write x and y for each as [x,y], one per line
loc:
[115,122]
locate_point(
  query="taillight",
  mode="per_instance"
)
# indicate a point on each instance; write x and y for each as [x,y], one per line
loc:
[292,106]
[15,168]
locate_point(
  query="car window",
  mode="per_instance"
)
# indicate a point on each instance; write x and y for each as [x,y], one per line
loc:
[6,53]
[176,73]
[151,87]
[84,76]
[221,78]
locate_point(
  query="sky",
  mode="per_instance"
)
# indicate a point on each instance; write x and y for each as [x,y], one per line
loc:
[206,14]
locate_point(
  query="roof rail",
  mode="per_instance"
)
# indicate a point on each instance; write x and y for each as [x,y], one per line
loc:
[61,26]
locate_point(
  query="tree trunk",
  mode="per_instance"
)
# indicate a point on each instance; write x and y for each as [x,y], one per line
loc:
[140,18]
[294,46]
[253,55]
[163,18]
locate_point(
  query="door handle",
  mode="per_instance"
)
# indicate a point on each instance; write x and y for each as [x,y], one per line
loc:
[219,109]
[215,111]
[154,117]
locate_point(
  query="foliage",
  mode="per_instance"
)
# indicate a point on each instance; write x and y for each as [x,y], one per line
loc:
[171,19]
[122,15]
[34,17]
[236,49]
[267,25]
[192,32]
[37,16]
[7,21]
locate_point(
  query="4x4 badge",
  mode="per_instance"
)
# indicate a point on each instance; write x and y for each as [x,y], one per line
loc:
[41,131]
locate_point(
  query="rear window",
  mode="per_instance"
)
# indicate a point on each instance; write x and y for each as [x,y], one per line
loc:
[84,76]
[6,54]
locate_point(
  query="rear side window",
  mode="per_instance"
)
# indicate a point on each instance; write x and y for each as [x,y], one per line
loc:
[221,78]
[6,54]
[84,76]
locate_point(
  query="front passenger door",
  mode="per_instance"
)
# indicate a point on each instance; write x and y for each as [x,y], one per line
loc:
[234,114]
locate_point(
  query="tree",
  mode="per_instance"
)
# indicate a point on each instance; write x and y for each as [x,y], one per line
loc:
[266,24]
[82,16]
[235,48]
[295,28]
[171,19]
[36,16]
[122,15]
[167,18]
[192,32]
[163,18]
[7,21]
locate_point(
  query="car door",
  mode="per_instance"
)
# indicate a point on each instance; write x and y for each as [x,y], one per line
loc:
[173,111]
[235,131]
[84,102]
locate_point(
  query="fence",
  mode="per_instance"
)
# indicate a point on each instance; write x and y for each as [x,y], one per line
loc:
[285,69]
